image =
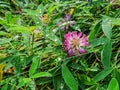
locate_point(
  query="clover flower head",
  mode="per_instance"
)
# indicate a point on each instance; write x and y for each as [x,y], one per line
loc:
[59,25]
[65,23]
[74,43]
[112,1]
[67,17]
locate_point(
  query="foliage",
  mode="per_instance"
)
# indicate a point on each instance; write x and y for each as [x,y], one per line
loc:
[31,45]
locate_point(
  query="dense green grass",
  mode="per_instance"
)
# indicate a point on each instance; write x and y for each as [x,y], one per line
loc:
[32,56]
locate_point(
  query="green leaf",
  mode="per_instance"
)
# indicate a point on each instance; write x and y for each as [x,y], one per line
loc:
[26,39]
[5,41]
[2,21]
[94,30]
[31,85]
[8,17]
[51,9]
[86,80]
[4,4]
[23,81]
[45,80]
[5,87]
[40,9]
[16,62]
[54,38]
[57,82]
[26,82]
[107,28]
[34,66]
[27,60]
[94,87]
[75,27]
[69,79]
[19,28]
[106,54]
[114,21]
[29,12]
[15,19]
[13,86]
[97,42]
[113,85]
[101,75]
[4,84]
[41,74]
[116,74]
[3,33]
[8,58]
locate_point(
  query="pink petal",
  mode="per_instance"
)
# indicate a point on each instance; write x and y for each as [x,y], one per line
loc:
[74,34]
[71,52]
[67,47]
[79,34]
[58,23]
[84,43]
[81,50]
[84,37]
[67,36]
[66,42]
[67,17]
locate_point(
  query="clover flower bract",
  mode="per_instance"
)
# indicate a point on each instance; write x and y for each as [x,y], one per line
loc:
[67,17]
[75,42]
[66,20]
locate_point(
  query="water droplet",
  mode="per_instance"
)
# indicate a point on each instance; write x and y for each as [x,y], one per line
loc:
[47,35]
[40,11]
[36,15]
[61,86]
[16,37]
[56,40]
[37,22]
[59,59]
[54,30]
